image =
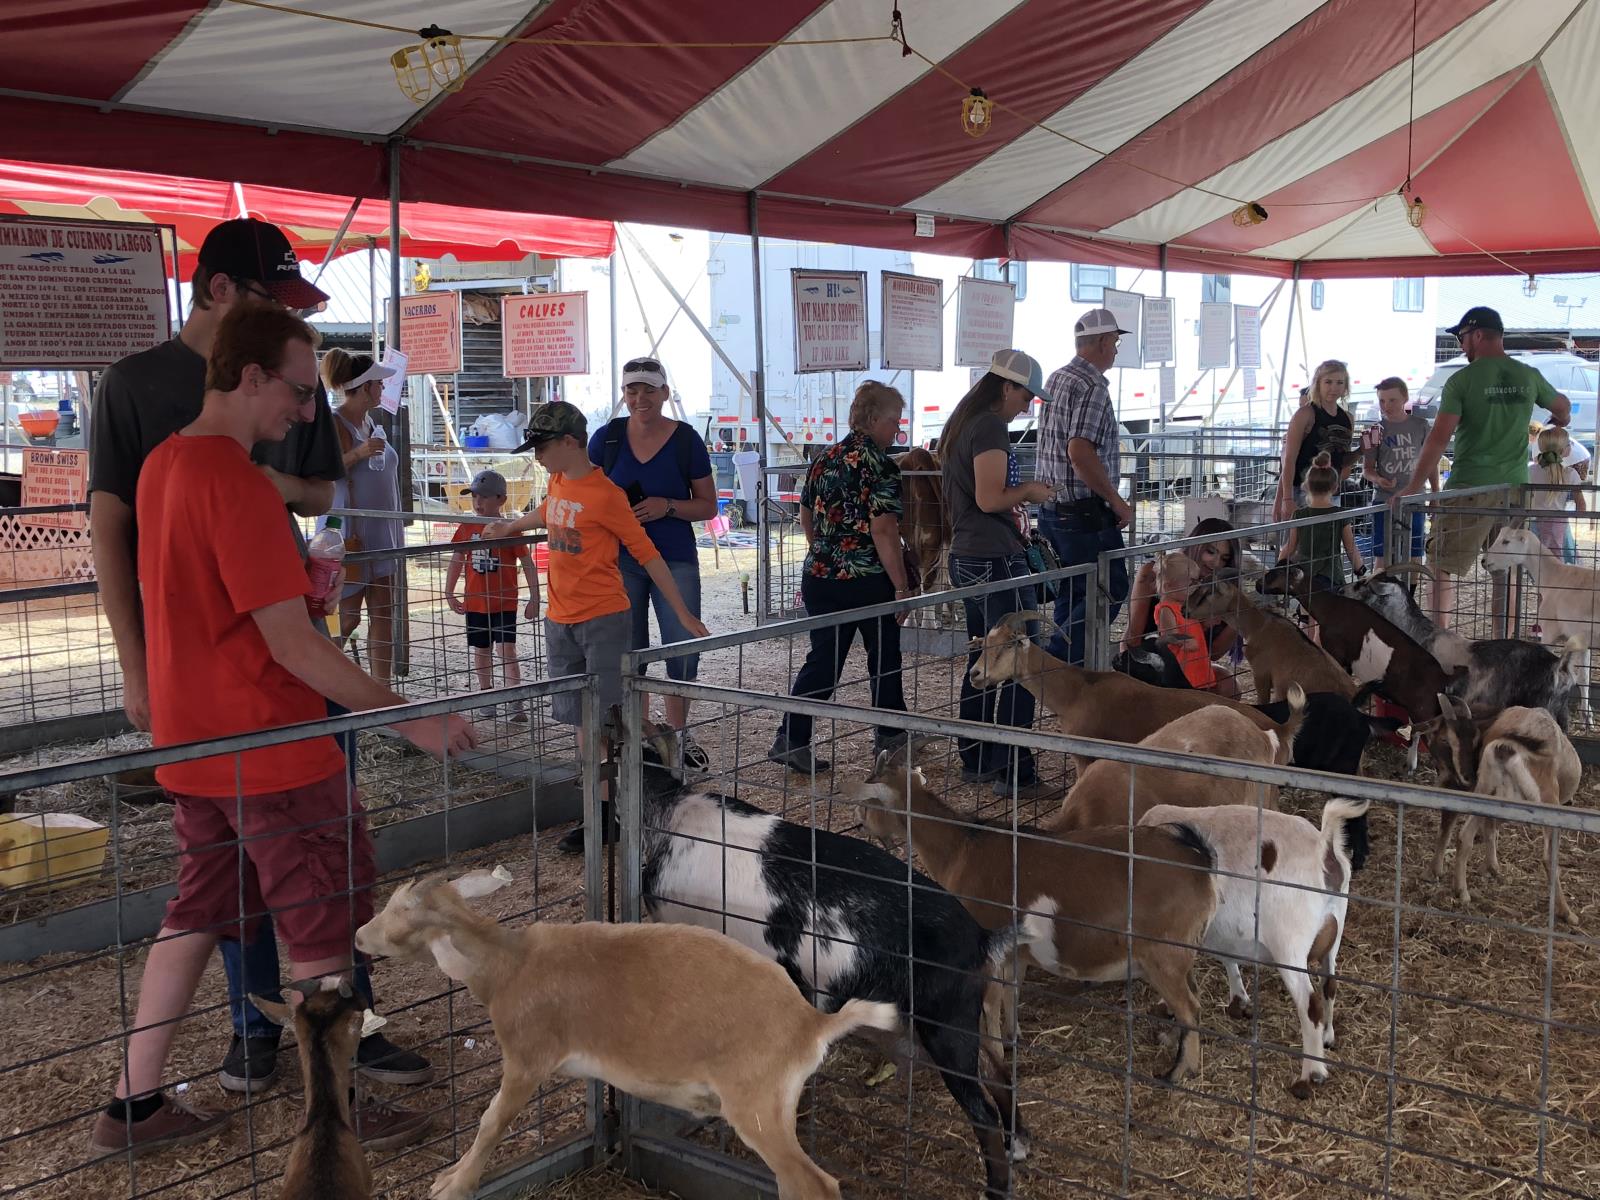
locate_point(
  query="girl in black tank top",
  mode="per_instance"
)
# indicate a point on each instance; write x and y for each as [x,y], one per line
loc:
[1325,427]
[1329,432]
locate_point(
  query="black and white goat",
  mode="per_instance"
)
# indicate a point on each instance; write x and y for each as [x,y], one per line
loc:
[848,921]
[1499,673]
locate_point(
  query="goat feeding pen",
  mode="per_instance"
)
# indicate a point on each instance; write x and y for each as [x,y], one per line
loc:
[1466,1049]
[78,959]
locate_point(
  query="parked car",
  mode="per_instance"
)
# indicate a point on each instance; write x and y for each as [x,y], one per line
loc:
[1576,378]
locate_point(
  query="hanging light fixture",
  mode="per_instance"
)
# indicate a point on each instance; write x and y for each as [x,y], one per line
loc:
[1530,286]
[1416,211]
[1249,214]
[434,65]
[977,113]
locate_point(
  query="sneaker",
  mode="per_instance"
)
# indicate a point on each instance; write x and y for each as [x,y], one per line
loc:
[384,1126]
[381,1061]
[517,714]
[251,1065]
[1036,790]
[797,758]
[173,1124]
[992,775]
[572,841]
[694,756]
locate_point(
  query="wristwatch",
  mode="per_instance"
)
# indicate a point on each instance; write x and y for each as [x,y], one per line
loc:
[672,507]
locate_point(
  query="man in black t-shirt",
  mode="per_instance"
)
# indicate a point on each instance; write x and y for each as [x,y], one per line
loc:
[140,402]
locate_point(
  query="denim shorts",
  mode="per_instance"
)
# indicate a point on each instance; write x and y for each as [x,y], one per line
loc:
[643,595]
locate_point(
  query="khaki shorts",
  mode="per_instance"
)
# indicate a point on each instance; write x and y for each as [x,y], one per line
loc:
[1458,539]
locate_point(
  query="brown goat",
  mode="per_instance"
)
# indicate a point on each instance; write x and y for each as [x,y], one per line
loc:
[1074,890]
[1094,704]
[1520,755]
[1278,653]
[326,1158]
[674,1014]
[1117,793]
[922,524]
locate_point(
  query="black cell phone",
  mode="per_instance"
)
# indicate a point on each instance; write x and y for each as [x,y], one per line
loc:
[635,493]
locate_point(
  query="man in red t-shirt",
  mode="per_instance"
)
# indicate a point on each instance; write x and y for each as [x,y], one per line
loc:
[229,650]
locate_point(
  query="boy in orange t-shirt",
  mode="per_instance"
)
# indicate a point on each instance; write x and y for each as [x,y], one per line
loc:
[588,624]
[491,603]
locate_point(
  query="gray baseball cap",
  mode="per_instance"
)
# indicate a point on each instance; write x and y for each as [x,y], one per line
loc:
[486,483]
[553,420]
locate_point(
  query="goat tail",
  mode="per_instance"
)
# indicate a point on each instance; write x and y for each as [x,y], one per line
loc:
[1337,816]
[854,1014]
[1291,727]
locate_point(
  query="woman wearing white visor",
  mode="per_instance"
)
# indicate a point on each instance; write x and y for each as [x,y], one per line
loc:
[371,481]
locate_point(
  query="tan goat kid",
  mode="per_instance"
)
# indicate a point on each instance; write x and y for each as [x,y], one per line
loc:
[1279,654]
[1074,892]
[1118,793]
[674,1014]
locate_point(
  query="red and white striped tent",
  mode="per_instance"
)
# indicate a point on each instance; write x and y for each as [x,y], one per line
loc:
[1121,126]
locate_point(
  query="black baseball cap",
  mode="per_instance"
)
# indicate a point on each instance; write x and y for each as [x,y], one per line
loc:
[1478,318]
[258,252]
[553,420]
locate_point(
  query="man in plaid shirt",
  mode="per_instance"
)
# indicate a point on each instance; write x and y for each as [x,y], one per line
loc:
[1079,456]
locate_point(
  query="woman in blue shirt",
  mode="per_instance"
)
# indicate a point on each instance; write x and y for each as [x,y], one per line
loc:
[663,466]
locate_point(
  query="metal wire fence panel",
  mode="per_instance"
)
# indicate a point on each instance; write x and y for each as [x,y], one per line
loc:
[83,903]
[1457,1038]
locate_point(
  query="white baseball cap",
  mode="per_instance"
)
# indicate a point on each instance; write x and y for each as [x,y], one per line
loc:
[648,371]
[1098,321]
[372,371]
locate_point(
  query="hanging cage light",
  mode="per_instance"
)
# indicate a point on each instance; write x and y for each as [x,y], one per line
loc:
[1249,214]
[977,113]
[436,64]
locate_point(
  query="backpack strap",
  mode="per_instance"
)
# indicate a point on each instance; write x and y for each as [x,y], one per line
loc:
[611,448]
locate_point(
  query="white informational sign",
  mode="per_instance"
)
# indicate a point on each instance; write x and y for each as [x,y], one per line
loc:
[389,397]
[985,312]
[913,322]
[1159,316]
[1169,388]
[1249,387]
[1127,308]
[1247,335]
[544,335]
[52,477]
[1216,336]
[80,294]
[430,330]
[830,320]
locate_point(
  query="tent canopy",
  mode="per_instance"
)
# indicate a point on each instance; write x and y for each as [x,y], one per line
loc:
[1120,127]
[312,221]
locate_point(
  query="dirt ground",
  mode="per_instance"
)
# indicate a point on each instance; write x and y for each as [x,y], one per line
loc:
[1437,1087]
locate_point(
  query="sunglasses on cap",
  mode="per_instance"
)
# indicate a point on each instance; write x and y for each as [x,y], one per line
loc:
[643,364]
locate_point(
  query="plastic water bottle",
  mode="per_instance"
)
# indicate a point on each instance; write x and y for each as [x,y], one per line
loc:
[324,558]
[376,462]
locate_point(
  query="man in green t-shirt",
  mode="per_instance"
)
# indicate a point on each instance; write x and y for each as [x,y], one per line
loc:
[1486,406]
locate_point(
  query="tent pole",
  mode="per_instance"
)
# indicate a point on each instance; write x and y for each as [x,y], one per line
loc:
[372,293]
[401,649]
[1161,402]
[1288,332]
[758,397]
[616,377]
[338,240]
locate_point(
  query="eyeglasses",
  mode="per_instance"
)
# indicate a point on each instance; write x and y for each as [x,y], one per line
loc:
[303,393]
[251,288]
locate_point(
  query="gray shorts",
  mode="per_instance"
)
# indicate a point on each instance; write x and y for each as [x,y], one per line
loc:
[593,647]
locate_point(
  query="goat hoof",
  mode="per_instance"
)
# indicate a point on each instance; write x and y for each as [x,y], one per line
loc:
[1239,1009]
[445,1187]
[1300,1089]
[1020,1147]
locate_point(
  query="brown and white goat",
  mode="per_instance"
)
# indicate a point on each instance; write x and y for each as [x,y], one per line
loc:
[1281,898]
[1278,652]
[1074,892]
[1569,596]
[923,525]
[1520,755]
[326,1158]
[1118,793]
[1094,704]
[674,1014]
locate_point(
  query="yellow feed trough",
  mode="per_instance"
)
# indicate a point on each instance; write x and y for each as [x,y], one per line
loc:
[49,850]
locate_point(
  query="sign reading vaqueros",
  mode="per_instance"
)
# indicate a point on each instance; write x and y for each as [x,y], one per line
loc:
[545,335]
[430,331]
[80,293]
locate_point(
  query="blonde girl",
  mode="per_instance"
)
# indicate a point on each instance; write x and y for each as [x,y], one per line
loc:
[1550,469]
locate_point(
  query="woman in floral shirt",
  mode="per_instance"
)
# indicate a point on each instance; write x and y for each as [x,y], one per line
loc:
[850,513]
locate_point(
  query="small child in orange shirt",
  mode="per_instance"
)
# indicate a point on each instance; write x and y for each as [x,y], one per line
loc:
[491,600]
[588,626]
[1183,635]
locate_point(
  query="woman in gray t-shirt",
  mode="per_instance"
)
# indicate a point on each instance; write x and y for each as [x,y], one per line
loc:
[981,498]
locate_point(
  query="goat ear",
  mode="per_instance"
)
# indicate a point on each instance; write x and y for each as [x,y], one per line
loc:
[450,960]
[476,884]
[275,1011]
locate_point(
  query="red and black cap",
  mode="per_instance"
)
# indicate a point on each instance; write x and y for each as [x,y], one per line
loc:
[258,252]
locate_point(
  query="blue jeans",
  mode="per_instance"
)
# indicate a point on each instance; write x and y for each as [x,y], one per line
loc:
[643,594]
[1075,543]
[252,969]
[1013,701]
